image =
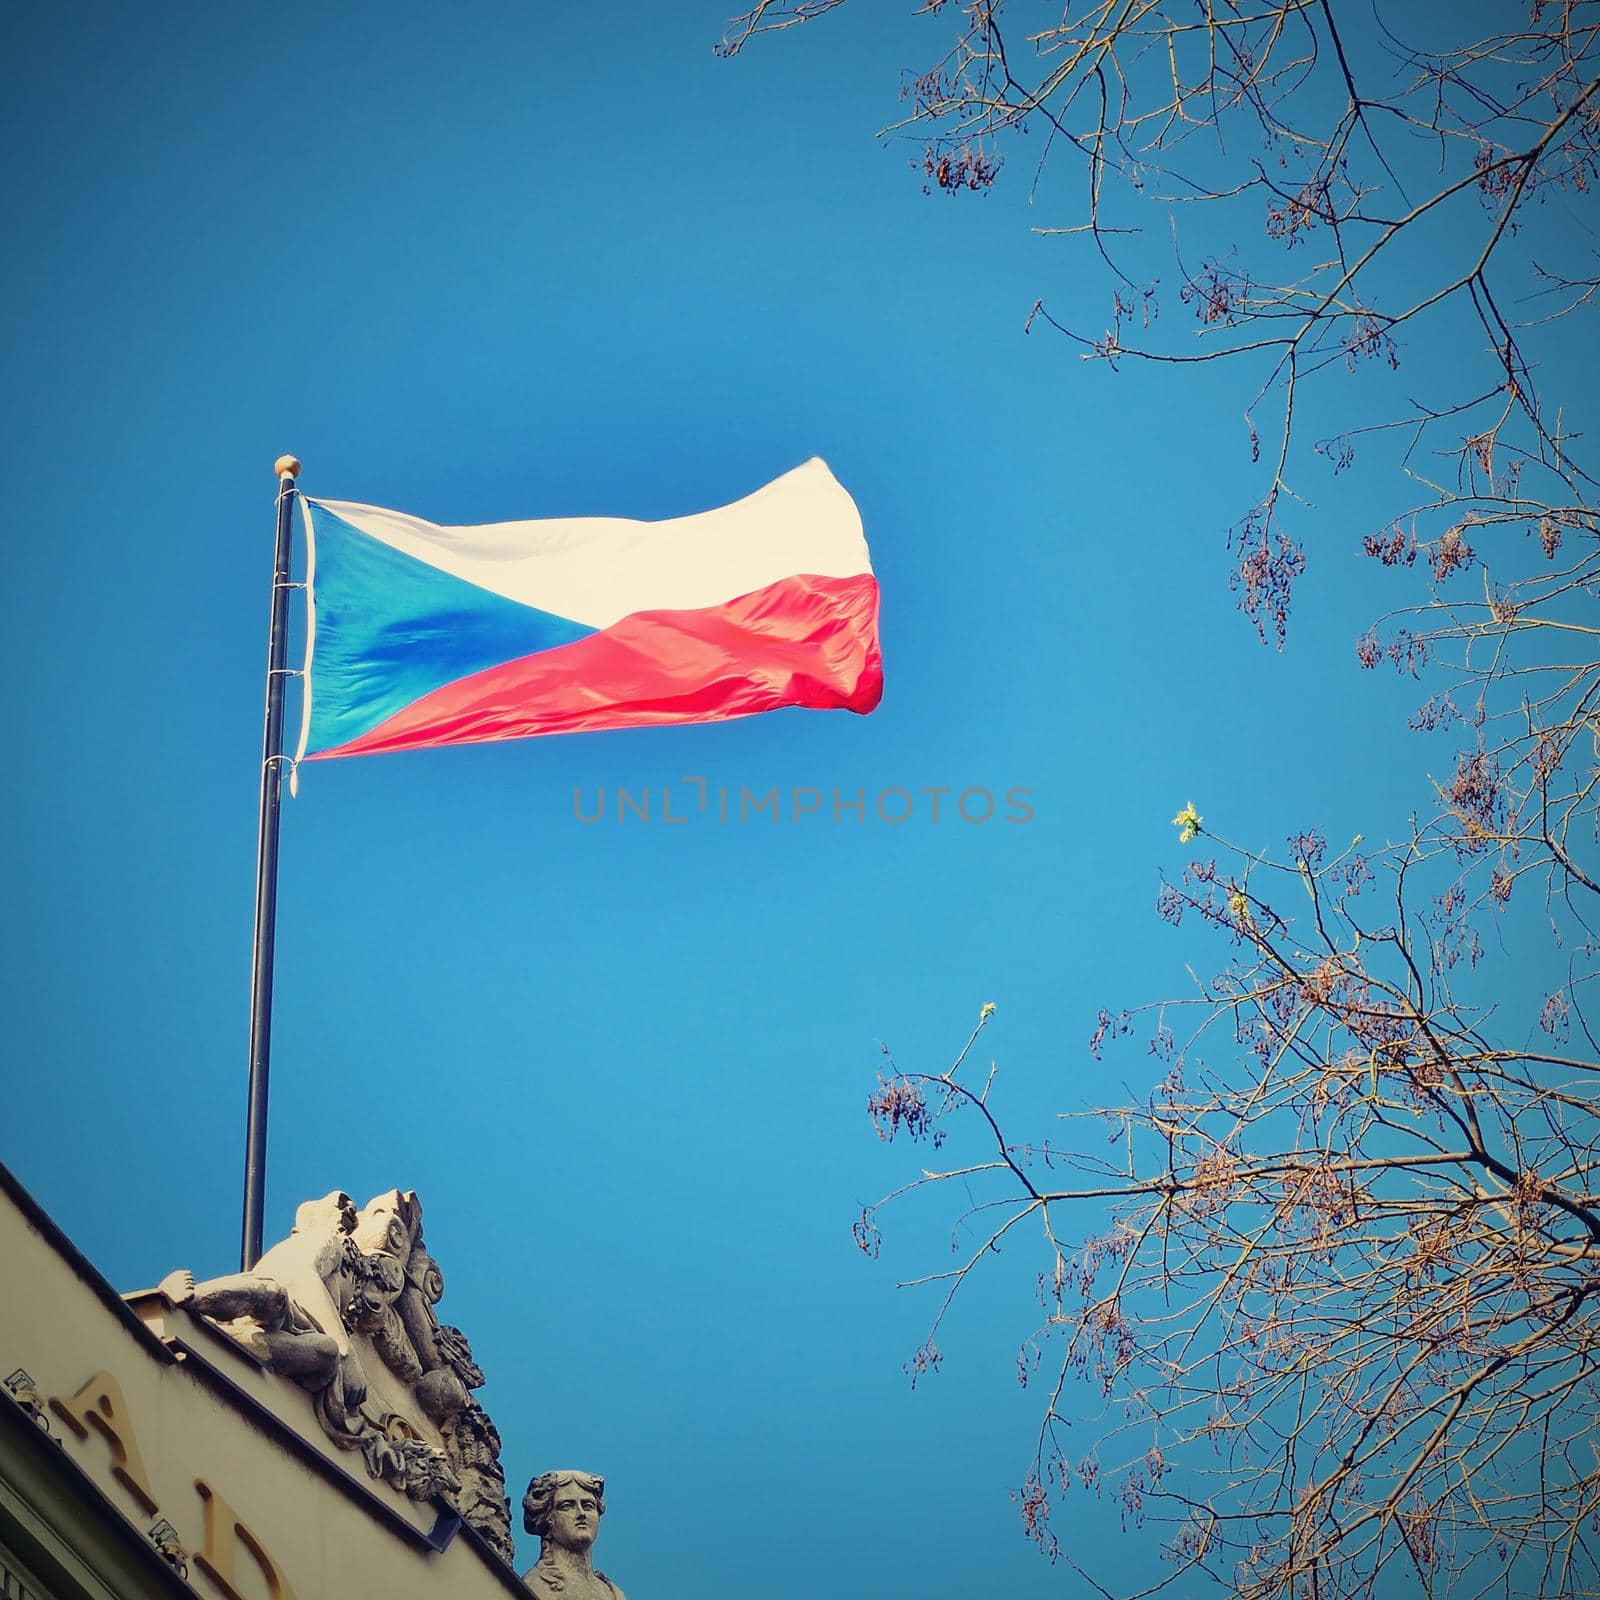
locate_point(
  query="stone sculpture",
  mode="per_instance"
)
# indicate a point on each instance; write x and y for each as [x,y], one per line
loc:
[564,1509]
[345,1308]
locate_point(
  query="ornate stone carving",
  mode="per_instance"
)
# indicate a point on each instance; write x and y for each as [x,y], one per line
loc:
[564,1509]
[165,1538]
[345,1307]
[413,1466]
[22,1389]
[474,1444]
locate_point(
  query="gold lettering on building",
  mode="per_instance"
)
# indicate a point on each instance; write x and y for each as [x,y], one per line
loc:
[224,1534]
[99,1405]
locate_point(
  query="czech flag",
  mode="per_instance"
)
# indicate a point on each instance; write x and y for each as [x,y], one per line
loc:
[422,635]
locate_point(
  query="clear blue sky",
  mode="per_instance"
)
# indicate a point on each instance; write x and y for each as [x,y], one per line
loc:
[513,260]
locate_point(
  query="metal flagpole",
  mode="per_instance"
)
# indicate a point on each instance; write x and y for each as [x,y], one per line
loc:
[255,1138]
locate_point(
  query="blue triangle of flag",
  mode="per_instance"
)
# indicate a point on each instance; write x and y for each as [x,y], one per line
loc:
[391,629]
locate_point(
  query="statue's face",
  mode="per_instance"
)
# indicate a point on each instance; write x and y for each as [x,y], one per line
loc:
[378,1228]
[574,1517]
[334,1210]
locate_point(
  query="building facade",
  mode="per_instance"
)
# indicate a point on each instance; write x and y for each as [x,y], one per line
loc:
[304,1431]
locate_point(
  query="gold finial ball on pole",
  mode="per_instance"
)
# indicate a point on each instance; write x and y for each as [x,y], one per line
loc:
[287,466]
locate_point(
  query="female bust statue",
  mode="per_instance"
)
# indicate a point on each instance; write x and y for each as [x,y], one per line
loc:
[564,1510]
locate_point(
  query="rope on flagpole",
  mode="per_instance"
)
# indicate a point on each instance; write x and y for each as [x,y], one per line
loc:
[310,587]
